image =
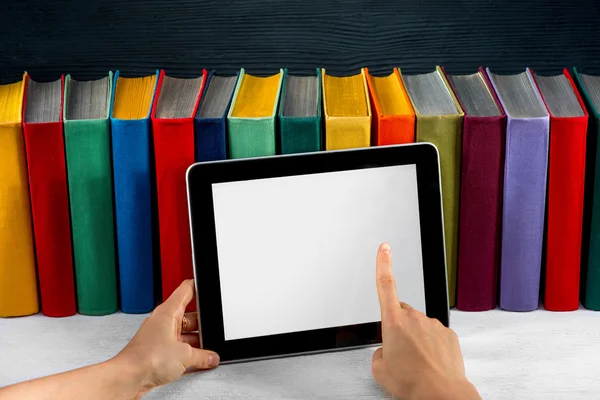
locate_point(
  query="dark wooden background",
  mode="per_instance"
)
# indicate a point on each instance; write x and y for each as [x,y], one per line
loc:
[88,37]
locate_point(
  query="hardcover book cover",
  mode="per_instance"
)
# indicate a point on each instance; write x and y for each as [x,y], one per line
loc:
[211,118]
[393,115]
[131,149]
[251,119]
[18,286]
[524,198]
[44,141]
[89,173]
[440,121]
[175,105]
[300,113]
[347,111]
[482,170]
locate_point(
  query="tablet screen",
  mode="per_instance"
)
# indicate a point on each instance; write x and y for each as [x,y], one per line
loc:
[297,253]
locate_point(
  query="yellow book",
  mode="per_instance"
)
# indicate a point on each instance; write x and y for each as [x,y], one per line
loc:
[347,111]
[18,287]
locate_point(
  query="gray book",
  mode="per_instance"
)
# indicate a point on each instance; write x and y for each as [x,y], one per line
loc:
[178,97]
[218,95]
[518,95]
[592,85]
[87,99]
[474,95]
[559,96]
[43,101]
[429,94]
[301,96]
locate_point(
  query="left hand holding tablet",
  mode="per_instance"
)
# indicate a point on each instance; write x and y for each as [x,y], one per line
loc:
[166,345]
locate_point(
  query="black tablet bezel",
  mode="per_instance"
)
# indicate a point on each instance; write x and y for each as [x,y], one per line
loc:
[200,178]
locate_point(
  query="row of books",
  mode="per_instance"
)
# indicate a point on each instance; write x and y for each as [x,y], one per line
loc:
[92,176]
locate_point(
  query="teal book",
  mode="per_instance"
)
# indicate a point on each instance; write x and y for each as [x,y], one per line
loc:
[89,176]
[300,113]
[251,119]
[589,86]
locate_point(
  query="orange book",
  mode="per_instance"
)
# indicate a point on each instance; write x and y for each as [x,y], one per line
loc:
[393,115]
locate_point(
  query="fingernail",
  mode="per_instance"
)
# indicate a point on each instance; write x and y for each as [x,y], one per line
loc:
[213,360]
[385,248]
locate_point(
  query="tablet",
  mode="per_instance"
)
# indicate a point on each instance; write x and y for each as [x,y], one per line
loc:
[284,247]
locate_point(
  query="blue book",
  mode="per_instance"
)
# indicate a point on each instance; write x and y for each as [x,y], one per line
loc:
[131,145]
[210,125]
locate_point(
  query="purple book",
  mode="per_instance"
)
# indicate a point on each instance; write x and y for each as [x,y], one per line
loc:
[524,197]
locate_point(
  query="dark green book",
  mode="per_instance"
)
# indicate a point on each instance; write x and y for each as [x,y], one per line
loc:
[300,113]
[87,143]
[589,86]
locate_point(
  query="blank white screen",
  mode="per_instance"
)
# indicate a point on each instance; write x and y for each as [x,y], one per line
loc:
[298,253]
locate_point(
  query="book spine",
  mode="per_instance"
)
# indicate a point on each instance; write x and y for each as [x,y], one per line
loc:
[87,144]
[174,153]
[566,176]
[446,134]
[524,201]
[396,130]
[133,211]
[210,137]
[590,248]
[300,135]
[18,287]
[251,137]
[482,168]
[51,221]
[591,269]
[347,132]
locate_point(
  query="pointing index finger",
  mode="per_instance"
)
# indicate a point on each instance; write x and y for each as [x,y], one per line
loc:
[386,285]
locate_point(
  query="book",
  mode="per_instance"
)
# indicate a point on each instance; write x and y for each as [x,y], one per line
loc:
[18,286]
[89,173]
[347,111]
[211,118]
[175,105]
[46,166]
[300,113]
[480,212]
[439,121]
[131,147]
[590,249]
[524,197]
[393,116]
[566,178]
[251,118]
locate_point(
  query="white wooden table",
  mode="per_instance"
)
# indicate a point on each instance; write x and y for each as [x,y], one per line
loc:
[536,355]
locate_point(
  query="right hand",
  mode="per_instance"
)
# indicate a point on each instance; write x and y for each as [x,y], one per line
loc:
[420,358]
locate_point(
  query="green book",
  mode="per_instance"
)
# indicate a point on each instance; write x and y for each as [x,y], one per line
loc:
[251,118]
[300,113]
[589,86]
[89,174]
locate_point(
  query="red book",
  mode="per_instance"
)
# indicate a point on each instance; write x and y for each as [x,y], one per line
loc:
[43,132]
[482,169]
[173,111]
[566,175]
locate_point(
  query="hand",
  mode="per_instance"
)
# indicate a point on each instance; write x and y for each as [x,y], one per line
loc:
[420,358]
[164,347]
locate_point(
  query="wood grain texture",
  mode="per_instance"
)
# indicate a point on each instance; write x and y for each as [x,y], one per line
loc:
[520,356]
[87,38]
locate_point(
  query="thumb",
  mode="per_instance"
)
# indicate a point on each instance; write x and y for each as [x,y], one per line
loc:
[202,359]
